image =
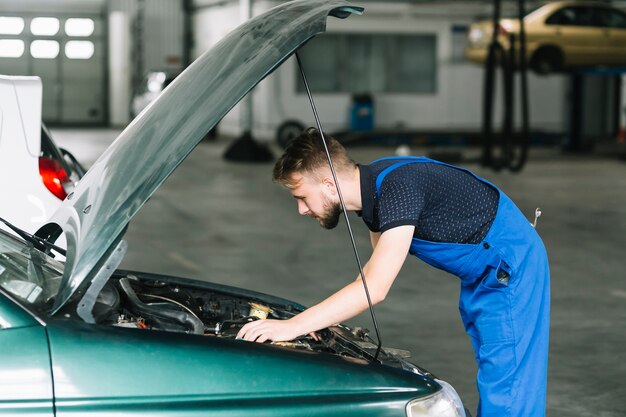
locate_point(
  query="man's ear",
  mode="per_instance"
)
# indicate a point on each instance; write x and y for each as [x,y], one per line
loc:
[329,184]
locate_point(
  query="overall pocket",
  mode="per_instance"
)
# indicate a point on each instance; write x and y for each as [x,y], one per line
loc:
[492,306]
[497,278]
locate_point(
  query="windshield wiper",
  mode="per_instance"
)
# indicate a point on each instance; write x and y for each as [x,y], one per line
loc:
[39,243]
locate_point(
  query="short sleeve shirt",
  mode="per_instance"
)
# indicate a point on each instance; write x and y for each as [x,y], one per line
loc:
[444,203]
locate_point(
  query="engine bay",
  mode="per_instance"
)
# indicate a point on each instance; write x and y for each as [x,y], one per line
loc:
[151,304]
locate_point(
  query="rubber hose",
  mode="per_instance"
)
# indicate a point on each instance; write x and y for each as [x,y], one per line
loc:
[179,316]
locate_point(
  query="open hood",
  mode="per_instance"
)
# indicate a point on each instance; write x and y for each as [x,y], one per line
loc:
[95,215]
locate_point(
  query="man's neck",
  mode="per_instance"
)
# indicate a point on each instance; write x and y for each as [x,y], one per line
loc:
[351,190]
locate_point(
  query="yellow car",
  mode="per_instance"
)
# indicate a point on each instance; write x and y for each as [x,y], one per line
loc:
[559,36]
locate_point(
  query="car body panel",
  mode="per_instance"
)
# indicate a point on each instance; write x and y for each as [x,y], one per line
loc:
[120,182]
[23,139]
[25,374]
[180,374]
[28,95]
[117,367]
[618,41]
[581,45]
[20,137]
[13,316]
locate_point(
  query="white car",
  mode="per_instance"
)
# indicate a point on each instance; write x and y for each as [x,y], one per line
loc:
[32,169]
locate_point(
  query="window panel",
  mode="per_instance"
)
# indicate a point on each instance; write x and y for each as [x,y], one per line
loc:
[320,59]
[364,63]
[378,63]
[459,43]
[611,18]
[44,26]
[11,25]
[566,16]
[11,48]
[79,49]
[357,68]
[44,49]
[584,16]
[413,69]
[79,27]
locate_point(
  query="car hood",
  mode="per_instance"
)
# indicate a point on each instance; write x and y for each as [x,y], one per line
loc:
[96,214]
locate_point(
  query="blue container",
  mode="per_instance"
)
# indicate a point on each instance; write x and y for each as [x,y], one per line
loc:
[362,113]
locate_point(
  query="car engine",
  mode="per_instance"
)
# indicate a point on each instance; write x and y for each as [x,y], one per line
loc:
[131,301]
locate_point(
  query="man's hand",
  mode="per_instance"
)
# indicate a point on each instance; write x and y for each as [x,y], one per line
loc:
[391,249]
[274,330]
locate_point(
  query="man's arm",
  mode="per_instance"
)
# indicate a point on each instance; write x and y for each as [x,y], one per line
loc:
[381,270]
[374,236]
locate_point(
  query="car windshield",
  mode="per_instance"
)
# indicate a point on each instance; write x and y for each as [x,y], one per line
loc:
[28,275]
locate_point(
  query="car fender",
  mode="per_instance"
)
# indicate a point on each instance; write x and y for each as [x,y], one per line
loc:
[100,370]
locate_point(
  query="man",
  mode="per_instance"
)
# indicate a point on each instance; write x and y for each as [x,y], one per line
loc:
[453,220]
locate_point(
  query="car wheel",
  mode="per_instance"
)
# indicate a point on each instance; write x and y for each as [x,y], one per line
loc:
[547,60]
[287,131]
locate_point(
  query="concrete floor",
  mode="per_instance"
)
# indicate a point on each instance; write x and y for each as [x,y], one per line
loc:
[228,223]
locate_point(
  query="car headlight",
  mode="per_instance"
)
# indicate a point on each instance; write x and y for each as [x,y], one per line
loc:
[477,37]
[445,403]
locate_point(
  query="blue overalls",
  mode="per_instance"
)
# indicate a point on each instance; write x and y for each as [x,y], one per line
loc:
[504,304]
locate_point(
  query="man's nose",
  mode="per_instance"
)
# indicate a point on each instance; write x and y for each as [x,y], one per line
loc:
[302,208]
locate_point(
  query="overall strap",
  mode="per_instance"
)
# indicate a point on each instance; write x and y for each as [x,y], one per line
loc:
[403,160]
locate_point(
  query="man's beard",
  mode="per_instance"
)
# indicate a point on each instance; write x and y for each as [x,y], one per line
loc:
[330,218]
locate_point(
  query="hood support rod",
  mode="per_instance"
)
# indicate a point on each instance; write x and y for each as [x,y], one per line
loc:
[343,204]
[88,300]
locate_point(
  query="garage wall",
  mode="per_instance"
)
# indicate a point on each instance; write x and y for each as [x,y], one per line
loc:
[156,31]
[210,24]
[161,34]
[456,104]
[156,43]
[61,57]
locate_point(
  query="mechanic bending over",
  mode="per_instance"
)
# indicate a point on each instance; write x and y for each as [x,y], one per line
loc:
[454,221]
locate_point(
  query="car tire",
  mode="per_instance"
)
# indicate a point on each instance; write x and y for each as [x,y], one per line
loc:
[547,60]
[287,131]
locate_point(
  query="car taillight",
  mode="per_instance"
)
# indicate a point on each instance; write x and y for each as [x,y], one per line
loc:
[54,177]
[502,31]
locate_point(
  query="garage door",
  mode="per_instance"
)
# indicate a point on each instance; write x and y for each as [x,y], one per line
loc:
[68,53]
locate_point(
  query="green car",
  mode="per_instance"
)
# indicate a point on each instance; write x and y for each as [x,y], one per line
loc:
[83,338]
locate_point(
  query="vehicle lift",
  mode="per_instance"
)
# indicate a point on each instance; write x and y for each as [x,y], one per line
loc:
[575,142]
[508,149]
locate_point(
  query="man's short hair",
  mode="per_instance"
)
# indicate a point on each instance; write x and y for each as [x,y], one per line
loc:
[305,154]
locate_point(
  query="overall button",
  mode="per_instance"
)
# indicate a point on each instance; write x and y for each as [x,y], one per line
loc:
[486,245]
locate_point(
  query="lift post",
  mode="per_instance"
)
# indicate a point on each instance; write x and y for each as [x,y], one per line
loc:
[514,146]
[579,86]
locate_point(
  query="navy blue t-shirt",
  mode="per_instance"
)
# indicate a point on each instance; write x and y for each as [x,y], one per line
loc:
[445,204]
